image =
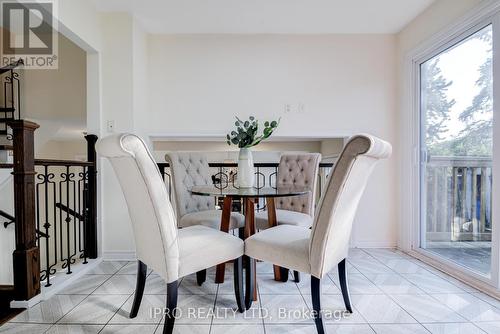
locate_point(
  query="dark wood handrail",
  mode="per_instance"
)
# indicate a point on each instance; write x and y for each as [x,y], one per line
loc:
[11,66]
[257,164]
[65,163]
[6,166]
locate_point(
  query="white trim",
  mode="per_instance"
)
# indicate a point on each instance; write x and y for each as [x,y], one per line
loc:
[373,244]
[59,282]
[119,256]
[410,138]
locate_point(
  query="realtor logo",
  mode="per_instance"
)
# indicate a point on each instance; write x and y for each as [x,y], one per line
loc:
[29,33]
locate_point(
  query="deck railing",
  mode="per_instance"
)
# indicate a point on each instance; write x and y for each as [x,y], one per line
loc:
[458,198]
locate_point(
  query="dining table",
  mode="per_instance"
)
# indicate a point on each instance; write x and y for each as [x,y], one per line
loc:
[249,197]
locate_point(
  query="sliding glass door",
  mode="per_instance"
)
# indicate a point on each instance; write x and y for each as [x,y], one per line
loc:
[456,152]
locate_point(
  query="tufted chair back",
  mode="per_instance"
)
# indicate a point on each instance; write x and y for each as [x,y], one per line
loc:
[152,216]
[332,224]
[189,169]
[298,170]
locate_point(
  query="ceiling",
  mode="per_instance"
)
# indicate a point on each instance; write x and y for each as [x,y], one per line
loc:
[269,16]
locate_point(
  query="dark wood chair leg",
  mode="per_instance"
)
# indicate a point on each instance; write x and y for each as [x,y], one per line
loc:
[171,309]
[316,301]
[283,274]
[201,276]
[250,283]
[142,271]
[238,284]
[343,284]
[296,276]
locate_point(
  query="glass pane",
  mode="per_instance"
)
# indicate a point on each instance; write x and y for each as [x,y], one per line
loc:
[457,135]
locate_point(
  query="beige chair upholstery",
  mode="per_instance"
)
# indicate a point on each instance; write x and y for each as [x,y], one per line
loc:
[191,169]
[327,242]
[294,170]
[170,252]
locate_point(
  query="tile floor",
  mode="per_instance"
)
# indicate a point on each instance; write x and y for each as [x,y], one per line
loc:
[391,293]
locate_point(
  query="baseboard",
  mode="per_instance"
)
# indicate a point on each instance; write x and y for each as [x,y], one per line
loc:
[119,256]
[374,244]
[59,282]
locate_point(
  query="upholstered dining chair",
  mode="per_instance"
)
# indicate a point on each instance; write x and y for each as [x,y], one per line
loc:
[294,170]
[171,252]
[191,169]
[318,250]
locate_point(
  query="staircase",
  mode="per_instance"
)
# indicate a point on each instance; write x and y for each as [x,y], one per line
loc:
[10,97]
[10,94]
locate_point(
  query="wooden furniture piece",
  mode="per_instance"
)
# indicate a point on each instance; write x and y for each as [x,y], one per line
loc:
[249,196]
[171,252]
[319,250]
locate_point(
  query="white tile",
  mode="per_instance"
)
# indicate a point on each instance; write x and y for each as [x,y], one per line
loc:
[186,328]
[490,300]
[226,311]
[240,329]
[380,309]
[404,266]
[268,286]
[399,329]
[130,269]
[194,309]
[424,308]
[155,285]
[489,327]
[385,253]
[349,329]
[95,309]
[13,328]
[51,310]
[334,310]
[108,267]
[189,286]
[453,328]
[117,285]
[128,329]
[285,309]
[85,285]
[149,312]
[370,266]
[291,329]
[327,286]
[74,329]
[359,284]
[431,283]
[469,306]
[394,284]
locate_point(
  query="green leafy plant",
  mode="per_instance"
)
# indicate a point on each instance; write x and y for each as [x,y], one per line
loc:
[246,133]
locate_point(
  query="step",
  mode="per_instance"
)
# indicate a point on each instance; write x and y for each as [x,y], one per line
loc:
[2,109]
[3,132]
[6,119]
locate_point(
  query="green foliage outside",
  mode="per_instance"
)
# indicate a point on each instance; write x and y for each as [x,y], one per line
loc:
[475,139]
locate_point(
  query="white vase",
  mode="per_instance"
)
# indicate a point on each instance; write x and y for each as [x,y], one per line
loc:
[246,172]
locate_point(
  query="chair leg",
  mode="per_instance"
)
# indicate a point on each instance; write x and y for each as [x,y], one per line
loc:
[283,274]
[201,276]
[142,270]
[171,309]
[220,272]
[238,284]
[343,285]
[316,302]
[296,276]
[249,282]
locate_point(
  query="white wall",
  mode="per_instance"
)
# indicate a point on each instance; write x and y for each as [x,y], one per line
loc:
[347,84]
[440,15]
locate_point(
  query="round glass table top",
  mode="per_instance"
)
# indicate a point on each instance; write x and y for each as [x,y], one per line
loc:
[211,190]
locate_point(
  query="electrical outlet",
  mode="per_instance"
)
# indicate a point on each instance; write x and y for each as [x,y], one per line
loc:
[110,126]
